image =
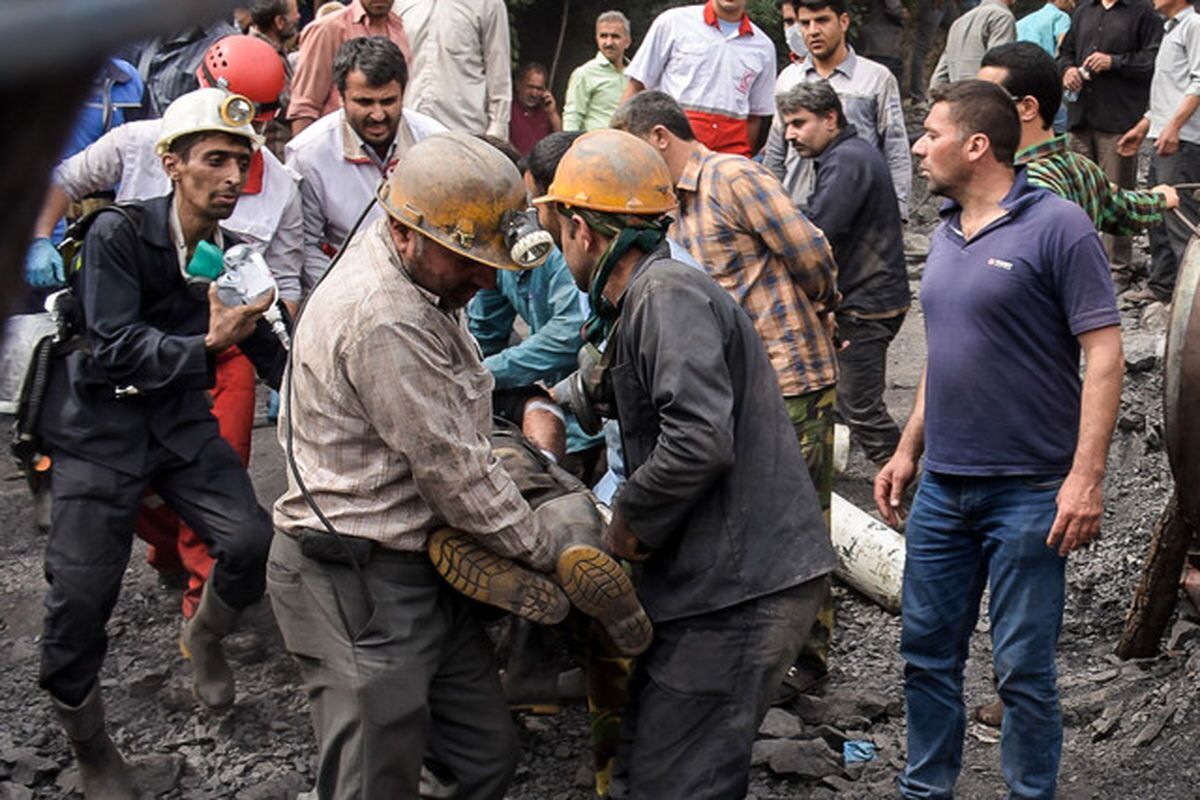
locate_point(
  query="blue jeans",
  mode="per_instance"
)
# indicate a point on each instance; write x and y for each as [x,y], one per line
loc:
[963,532]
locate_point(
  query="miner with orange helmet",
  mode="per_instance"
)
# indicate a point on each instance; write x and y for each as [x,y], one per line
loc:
[718,505]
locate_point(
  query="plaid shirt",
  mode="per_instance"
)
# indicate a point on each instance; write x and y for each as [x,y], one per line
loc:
[737,221]
[1123,212]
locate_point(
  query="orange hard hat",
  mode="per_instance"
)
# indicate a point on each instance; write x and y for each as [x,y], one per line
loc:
[247,66]
[615,172]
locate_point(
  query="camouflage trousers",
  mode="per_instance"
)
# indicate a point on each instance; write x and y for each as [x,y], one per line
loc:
[812,417]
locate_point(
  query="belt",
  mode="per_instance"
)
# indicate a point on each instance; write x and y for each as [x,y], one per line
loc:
[349,550]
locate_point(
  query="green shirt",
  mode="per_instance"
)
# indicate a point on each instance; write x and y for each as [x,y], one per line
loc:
[592,95]
[1123,212]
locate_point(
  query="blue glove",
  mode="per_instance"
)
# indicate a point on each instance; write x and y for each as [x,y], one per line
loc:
[44,266]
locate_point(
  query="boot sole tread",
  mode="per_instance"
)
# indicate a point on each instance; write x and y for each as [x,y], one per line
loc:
[598,586]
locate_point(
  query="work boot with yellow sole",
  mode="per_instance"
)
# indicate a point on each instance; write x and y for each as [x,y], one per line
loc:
[482,575]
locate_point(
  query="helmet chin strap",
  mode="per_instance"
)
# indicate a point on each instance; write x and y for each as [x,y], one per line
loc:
[645,236]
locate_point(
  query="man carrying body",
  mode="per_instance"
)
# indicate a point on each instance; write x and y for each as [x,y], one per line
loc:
[989,24]
[688,370]
[718,65]
[737,222]
[854,204]
[870,99]
[344,156]
[534,113]
[595,88]
[1172,124]
[1107,60]
[313,94]
[130,410]
[388,419]
[1015,286]
[461,63]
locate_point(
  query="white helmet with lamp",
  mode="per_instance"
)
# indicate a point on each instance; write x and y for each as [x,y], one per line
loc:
[212,110]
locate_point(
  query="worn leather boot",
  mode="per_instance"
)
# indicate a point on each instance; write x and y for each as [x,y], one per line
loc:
[102,771]
[595,582]
[212,679]
[482,575]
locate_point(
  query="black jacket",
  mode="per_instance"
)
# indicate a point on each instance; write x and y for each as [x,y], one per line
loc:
[1112,101]
[717,485]
[144,329]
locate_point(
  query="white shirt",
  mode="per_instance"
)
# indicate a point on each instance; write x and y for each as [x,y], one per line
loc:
[338,178]
[270,221]
[461,70]
[705,69]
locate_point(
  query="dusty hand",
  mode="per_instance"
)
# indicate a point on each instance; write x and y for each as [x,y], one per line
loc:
[1130,141]
[228,325]
[622,541]
[1072,80]
[1098,62]
[1167,144]
[1168,192]
[890,484]
[1080,505]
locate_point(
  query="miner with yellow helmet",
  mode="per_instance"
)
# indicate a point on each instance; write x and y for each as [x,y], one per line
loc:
[717,505]
[386,421]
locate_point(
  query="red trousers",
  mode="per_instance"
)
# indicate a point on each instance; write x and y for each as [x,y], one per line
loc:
[174,547]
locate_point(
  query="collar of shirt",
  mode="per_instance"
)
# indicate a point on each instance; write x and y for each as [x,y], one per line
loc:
[1020,195]
[847,133]
[1053,146]
[383,231]
[1176,20]
[176,229]
[846,67]
[710,18]
[356,151]
[689,179]
[1000,3]
[601,62]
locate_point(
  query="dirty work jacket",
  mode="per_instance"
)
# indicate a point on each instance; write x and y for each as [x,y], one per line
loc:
[146,330]
[717,486]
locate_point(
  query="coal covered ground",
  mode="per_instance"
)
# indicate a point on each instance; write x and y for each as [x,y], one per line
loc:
[1130,726]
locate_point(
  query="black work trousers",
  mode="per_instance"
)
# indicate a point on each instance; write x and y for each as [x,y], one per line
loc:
[862,377]
[93,509]
[701,691]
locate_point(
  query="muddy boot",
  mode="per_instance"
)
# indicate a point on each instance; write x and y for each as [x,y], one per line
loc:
[103,773]
[212,679]
[482,575]
[990,714]
[595,582]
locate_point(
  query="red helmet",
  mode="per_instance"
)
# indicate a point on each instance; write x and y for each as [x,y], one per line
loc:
[247,66]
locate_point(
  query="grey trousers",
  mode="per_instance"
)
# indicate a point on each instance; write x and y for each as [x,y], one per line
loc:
[862,377]
[395,670]
[702,689]
[1169,241]
[1101,147]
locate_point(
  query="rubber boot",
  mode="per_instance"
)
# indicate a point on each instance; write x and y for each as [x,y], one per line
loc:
[482,575]
[595,582]
[212,679]
[102,771]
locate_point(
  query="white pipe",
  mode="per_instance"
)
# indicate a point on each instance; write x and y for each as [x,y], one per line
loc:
[870,554]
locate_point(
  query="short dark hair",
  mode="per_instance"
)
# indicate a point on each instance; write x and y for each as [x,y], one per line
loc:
[542,161]
[815,97]
[504,146]
[264,12]
[1031,72]
[983,107]
[376,57]
[182,146]
[532,66]
[836,6]
[642,112]
[781,3]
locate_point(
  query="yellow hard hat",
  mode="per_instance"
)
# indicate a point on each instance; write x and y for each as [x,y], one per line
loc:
[612,171]
[207,110]
[461,192]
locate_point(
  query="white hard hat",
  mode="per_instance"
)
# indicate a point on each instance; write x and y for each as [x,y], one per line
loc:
[208,110]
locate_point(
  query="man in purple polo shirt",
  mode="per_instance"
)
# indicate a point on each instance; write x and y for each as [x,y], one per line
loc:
[1016,284]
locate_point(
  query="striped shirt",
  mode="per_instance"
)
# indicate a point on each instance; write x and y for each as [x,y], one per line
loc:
[1122,212]
[739,224]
